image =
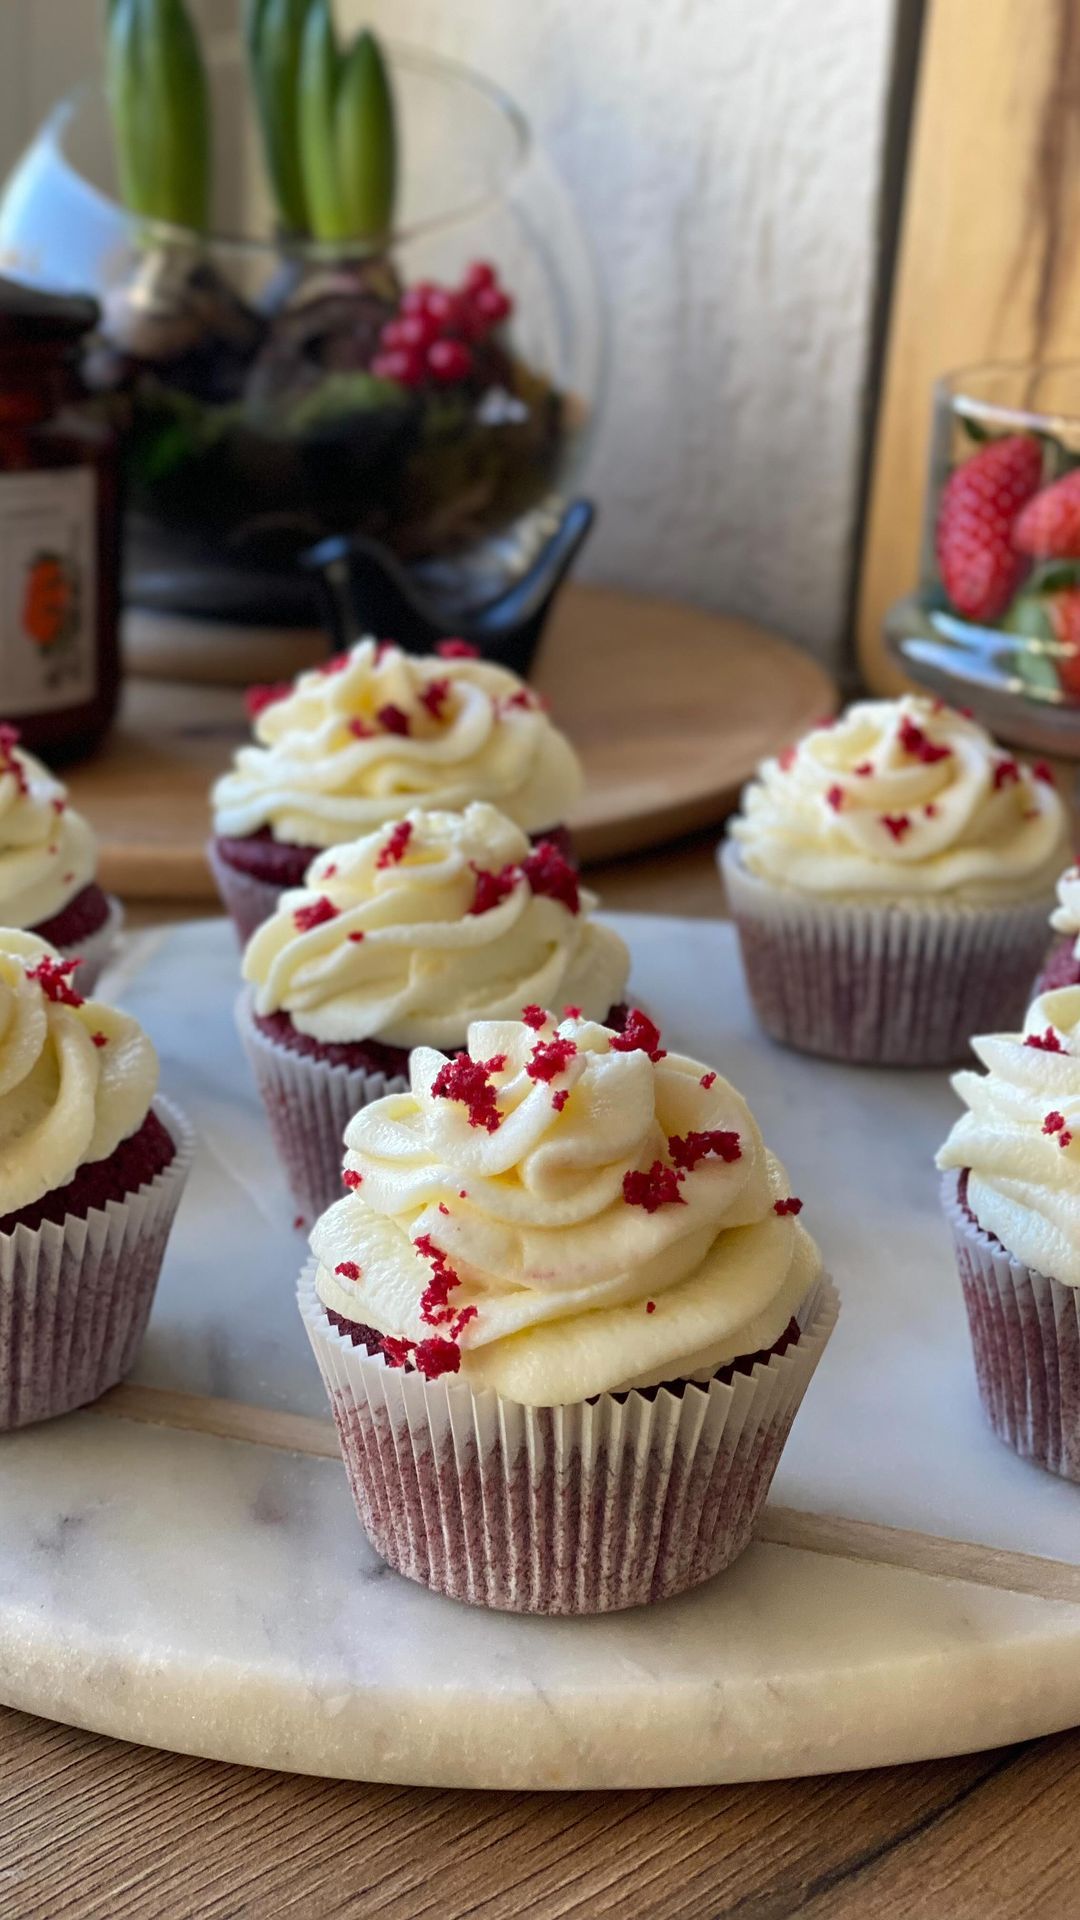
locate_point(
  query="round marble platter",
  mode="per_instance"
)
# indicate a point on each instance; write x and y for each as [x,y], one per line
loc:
[181,1565]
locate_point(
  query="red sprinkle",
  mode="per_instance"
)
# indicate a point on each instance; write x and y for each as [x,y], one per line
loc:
[397,845]
[492,888]
[835,798]
[457,650]
[896,823]
[550,1057]
[707,1080]
[1045,772]
[467,1080]
[100,1039]
[54,979]
[687,1150]
[392,719]
[549,873]
[864,769]
[915,742]
[305,919]
[352,1180]
[1047,1042]
[657,1188]
[790,1205]
[1006,774]
[650,1306]
[640,1035]
[560,1098]
[534,1017]
[434,697]
[348,1270]
[1053,1122]
[257,698]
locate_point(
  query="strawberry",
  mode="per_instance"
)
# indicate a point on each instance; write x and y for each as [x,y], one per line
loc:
[1049,526]
[980,500]
[1064,611]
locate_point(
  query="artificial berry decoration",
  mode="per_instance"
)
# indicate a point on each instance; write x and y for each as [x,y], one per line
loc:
[431,337]
[1049,527]
[980,502]
[449,362]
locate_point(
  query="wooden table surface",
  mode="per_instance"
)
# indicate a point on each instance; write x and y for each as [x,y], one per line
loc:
[94,1829]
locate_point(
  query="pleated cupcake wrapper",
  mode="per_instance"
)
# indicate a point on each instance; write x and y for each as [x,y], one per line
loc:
[308,1104]
[560,1510]
[95,951]
[897,985]
[247,900]
[1025,1332]
[75,1299]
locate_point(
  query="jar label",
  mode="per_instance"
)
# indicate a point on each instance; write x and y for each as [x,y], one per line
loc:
[48,590]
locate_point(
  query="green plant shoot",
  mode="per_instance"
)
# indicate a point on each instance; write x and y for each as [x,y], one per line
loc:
[157,92]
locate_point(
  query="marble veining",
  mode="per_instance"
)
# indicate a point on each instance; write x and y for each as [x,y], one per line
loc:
[218,1597]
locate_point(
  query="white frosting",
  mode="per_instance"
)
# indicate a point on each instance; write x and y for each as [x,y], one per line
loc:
[1066,915]
[313,782]
[1024,1183]
[65,1101]
[405,959]
[903,799]
[559,1265]
[48,853]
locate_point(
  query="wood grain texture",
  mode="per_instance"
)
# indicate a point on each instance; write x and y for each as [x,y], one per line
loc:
[671,709]
[988,266]
[101,1830]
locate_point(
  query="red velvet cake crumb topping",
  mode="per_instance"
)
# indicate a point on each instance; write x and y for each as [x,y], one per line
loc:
[790,1205]
[54,979]
[9,740]
[435,1310]
[457,650]
[1055,1123]
[1006,774]
[435,696]
[786,760]
[559,1098]
[396,846]
[640,1035]
[261,696]
[707,1080]
[835,798]
[467,1080]
[1047,1042]
[915,743]
[315,914]
[864,769]
[393,719]
[359,729]
[352,1180]
[492,888]
[650,1306]
[930,810]
[657,1188]
[357,936]
[550,1057]
[534,1017]
[348,1269]
[549,873]
[100,1039]
[896,823]
[688,1150]
[1044,771]
[571,1013]
[298,1222]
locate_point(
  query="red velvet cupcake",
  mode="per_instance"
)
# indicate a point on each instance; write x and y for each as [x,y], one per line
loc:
[1061,968]
[398,940]
[48,861]
[349,747]
[91,1176]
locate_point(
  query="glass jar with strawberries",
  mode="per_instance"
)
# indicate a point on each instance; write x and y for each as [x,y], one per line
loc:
[996,618]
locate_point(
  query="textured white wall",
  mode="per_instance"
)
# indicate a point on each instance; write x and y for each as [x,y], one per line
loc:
[727,155]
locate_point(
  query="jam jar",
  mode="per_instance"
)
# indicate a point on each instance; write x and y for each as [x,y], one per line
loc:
[59,531]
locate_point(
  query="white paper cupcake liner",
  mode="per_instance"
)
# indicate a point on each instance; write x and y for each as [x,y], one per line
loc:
[75,1299]
[891,985]
[247,900]
[560,1510]
[1025,1333]
[95,951]
[308,1105]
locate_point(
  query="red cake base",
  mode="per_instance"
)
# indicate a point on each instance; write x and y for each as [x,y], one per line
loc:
[135,1162]
[1061,967]
[83,915]
[366,1056]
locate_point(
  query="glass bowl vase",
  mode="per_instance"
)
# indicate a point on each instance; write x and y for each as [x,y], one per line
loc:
[261,410]
[995,620]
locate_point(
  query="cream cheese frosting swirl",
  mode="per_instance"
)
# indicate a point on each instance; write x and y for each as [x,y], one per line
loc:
[354,744]
[1020,1137]
[48,853]
[415,931]
[76,1076]
[1066,915]
[607,1213]
[903,799]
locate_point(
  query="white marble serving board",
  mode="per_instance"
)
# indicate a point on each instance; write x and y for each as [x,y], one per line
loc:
[217,1596]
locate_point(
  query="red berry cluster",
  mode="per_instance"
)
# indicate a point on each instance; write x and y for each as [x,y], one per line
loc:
[432,335]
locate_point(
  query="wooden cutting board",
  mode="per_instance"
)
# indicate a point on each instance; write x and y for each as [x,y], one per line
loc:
[670,707]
